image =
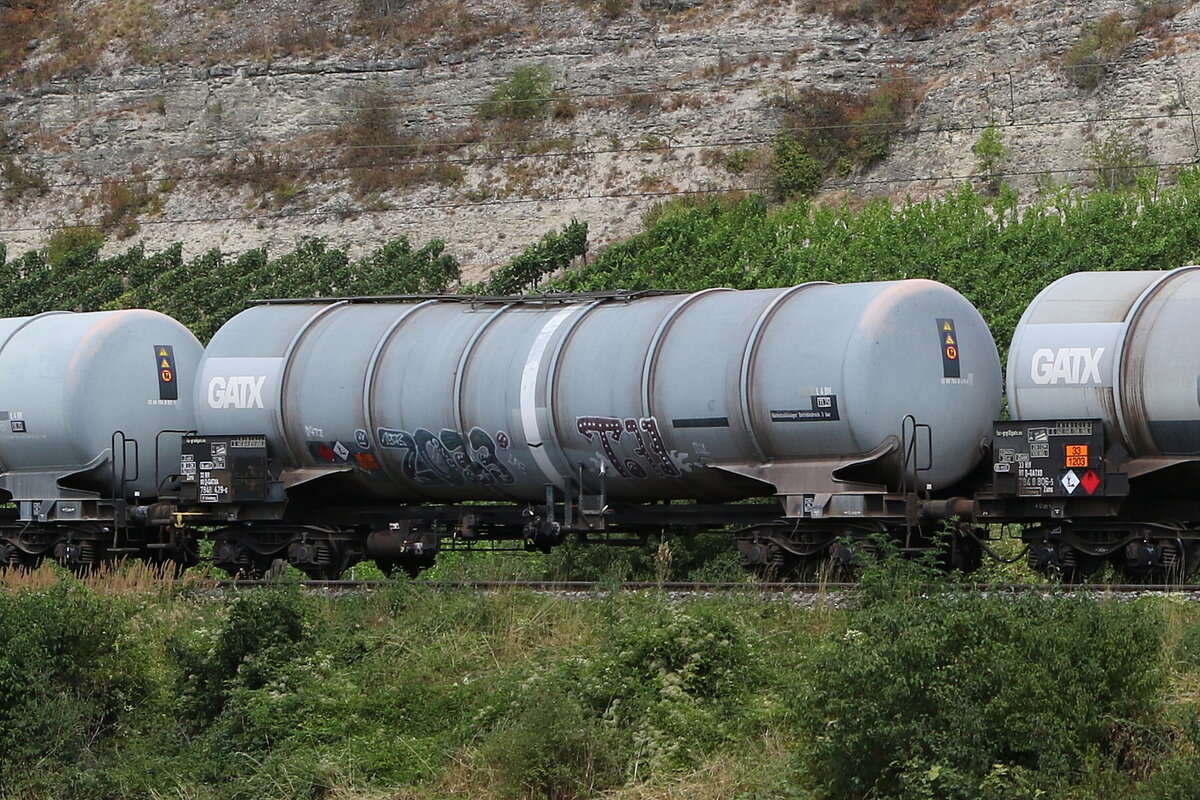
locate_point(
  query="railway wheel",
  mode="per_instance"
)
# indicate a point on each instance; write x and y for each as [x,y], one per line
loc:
[232,557]
[1191,558]
[1153,561]
[319,559]
[13,557]
[80,556]
[1082,567]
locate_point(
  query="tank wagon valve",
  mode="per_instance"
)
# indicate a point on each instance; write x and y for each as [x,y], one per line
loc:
[543,535]
[403,546]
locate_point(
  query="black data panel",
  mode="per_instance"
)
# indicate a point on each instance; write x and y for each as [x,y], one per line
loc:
[1049,458]
[224,469]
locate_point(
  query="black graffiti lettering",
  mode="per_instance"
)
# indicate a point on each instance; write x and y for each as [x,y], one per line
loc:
[401,440]
[437,458]
[647,444]
[483,451]
[446,457]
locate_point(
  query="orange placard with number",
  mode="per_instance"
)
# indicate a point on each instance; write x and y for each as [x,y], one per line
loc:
[1077,456]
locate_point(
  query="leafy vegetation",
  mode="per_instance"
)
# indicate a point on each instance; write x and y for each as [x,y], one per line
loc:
[378,157]
[19,179]
[205,291]
[920,688]
[527,94]
[797,173]
[945,693]
[555,251]
[1118,159]
[841,130]
[1101,42]
[991,154]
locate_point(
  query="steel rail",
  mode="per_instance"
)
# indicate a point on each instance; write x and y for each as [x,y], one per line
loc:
[688,586]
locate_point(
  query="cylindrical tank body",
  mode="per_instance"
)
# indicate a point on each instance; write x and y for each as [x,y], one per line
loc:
[452,400]
[70,381]
[1115,346]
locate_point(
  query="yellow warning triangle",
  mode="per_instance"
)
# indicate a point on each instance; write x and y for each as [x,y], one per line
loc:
[949,339]
[162,351]
[946,326]
[165,364]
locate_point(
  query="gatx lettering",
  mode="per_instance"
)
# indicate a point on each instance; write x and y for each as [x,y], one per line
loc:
[237,391]
[1070,365]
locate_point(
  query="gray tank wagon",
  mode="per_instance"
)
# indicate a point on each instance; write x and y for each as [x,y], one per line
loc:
[87,405]
[1109,357]
[585,414]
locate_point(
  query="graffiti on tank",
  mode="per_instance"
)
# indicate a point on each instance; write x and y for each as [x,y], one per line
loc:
[445,457]
[642,433]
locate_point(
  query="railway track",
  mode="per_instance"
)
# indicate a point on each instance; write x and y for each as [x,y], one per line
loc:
[698,588]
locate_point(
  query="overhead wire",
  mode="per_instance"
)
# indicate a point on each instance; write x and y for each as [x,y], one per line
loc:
[642,147]
[723,190]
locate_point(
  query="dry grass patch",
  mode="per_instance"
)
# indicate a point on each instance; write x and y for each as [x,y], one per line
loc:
[1101,43]
[22,22]
[911,14]
[111,579]
[448,22]
[378,156]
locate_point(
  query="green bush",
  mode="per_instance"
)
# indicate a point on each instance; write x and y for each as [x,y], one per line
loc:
[554,749]
[795,172]
[841,129]
[76,242]
[918,692]
[259,638]
[953,693]
[71,676]
[19,179]
[205,291]
[737,161]
[552,252]
[1118,161]
[702,556]
[527,94]
[674,682]
[990,155]
[660,691]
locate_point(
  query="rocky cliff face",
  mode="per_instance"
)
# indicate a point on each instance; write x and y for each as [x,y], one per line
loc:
[238,124]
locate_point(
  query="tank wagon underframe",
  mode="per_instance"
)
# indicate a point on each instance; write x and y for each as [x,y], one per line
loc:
[248,505]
